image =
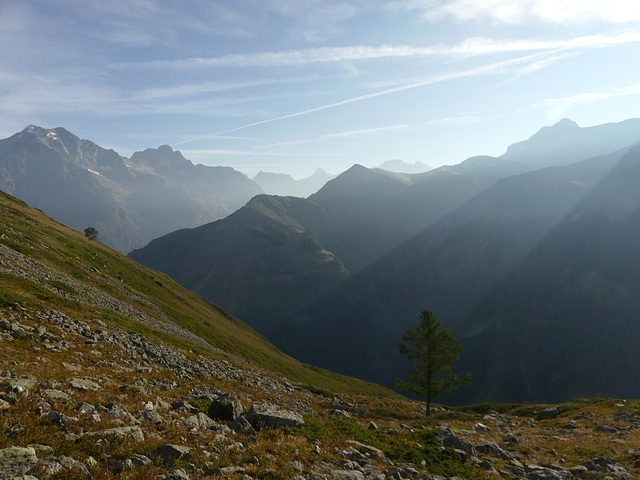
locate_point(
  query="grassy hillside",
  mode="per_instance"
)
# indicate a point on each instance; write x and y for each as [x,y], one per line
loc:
[69,266]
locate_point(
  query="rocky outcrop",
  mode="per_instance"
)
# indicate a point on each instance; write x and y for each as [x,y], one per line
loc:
[267,415]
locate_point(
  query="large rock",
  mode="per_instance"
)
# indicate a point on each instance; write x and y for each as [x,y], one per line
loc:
[59,465]
[346,475]
[169,454]
[541,473]
[225,407]
[267,415]
[200,420]
[16,462]
[83,383]
[449,439]
[547,413]
[242,425]
[134,432]
[367,450]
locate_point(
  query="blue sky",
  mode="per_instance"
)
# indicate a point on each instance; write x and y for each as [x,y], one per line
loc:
[288,86]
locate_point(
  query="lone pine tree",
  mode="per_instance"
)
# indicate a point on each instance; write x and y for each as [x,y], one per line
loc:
[433,351]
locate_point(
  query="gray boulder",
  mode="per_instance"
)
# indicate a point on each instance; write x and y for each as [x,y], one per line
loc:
[179,474]
[541,473]
[134,432]
[16,462]
[547,413]
[169,454]
[57,395]
[346,475]
[56,465]
[83,383]
[448,439]
[225,407]
[267,415]
[242,425]
[200,420]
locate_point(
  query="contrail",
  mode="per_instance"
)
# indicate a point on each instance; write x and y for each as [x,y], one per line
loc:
[441,78]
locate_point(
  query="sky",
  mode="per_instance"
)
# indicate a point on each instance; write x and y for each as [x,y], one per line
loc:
[288,86]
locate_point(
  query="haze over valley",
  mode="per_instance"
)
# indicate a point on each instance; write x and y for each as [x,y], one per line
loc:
[539,240]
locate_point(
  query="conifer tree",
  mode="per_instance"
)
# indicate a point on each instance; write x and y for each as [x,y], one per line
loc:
[432,350]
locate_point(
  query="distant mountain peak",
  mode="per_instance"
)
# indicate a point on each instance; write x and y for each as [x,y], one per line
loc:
[566,122]
[163,156]
[562,126]
[400,166]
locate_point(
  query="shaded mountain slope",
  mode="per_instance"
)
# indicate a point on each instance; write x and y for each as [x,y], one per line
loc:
[447,268]
[129,201]
[271,259]
[258,262]
[565,322]
[370,212]
[441,240]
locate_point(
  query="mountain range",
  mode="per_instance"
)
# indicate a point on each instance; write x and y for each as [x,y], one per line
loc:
[129,201]
[503,249]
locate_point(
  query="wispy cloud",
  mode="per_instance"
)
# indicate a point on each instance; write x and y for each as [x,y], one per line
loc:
[194,89]
[344,134]
[482,70]
[363,132]
[590,96]
[475,46]
[520,11]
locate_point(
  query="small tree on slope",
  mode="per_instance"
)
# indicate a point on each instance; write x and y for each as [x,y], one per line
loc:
[432,350]
[91,233]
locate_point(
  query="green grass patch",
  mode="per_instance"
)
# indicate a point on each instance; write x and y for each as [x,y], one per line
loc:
[10,299]
[384,412]
[418,447]
[63,287]
[319,391]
